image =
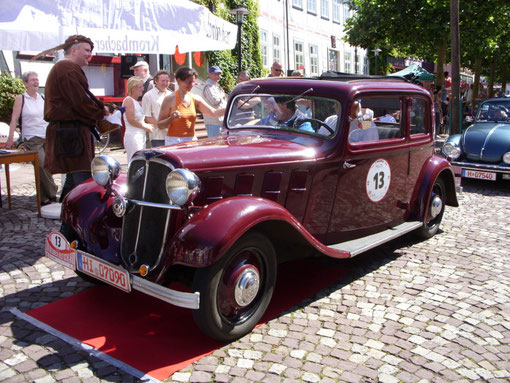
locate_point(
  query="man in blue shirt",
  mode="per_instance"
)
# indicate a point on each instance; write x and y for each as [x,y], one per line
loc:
[286,114]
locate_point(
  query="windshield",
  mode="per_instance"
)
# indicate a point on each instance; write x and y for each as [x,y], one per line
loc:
[497,111]
[310,115]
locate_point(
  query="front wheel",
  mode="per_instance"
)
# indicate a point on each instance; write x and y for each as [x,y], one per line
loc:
[236,290]
[434,214]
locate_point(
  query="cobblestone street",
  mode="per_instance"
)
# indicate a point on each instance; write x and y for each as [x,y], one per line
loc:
[408,311]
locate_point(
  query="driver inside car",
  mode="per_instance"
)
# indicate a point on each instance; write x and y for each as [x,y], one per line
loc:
[286,114]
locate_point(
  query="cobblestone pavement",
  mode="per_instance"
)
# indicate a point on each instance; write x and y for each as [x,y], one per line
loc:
[408,311]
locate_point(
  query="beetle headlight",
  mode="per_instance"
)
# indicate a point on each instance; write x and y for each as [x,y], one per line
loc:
[451,151]
[506,158]
[182,186]
[104,170]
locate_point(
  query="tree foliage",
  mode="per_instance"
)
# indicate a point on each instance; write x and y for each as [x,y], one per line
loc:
[251,59]
[10,88]
[417,28]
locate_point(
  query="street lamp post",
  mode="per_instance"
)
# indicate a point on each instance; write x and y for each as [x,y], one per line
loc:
[239,12]
[376,53]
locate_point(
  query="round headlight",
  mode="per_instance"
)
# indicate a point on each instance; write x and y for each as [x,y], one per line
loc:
[182,186]
[104,170]
[451,151]
[506,158]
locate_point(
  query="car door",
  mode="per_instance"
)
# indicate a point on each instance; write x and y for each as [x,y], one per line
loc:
[371,190]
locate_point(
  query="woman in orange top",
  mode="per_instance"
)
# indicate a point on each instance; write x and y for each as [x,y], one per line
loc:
[178,110]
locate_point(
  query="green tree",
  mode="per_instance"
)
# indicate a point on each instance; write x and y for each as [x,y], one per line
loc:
[251,59]
[10,88]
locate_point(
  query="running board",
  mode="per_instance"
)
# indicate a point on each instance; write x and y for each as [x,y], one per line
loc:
[360,245]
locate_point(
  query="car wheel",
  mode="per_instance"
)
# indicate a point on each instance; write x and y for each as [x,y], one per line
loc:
[68,232]
[434,214]
[236,290]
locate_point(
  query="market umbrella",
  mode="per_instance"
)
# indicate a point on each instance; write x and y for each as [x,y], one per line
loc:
[115,26]
[417,71]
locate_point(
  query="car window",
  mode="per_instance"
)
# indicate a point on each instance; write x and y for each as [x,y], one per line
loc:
[419,116]
[498,111]
[375,119]
[300,113]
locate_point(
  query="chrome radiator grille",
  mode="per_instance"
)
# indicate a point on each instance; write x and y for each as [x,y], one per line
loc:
[144,228]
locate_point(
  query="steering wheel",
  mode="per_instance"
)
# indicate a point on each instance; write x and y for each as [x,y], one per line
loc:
[316,124]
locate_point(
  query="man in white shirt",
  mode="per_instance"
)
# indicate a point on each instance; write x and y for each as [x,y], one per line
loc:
[215,96]
[151,105]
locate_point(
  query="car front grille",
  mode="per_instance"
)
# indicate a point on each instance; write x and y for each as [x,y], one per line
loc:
[144,228]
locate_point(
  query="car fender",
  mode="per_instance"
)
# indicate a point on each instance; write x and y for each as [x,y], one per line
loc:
[211,232]
[435,167]
[88,210]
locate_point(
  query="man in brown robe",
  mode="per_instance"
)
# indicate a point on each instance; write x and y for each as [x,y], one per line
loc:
[72,111]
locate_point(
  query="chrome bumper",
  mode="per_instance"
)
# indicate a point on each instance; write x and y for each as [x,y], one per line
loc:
[174,297]
[487,167]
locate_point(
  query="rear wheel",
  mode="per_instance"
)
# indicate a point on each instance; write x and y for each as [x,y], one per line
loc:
[434,214]
[236,290]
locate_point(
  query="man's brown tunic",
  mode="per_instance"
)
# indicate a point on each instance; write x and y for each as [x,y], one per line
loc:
[67,101]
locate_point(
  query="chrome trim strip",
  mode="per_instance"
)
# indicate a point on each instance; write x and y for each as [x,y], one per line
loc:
[174,297]
[475,166]
[155,204]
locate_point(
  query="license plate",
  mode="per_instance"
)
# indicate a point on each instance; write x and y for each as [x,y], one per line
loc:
[102,270]
[478,174]
[57,248]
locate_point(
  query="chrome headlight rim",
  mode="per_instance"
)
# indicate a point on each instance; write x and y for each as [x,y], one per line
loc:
[450,150]
[182,186]
[506,158]
[105,170]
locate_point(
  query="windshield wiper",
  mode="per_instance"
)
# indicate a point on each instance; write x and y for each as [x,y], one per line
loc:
[249,97]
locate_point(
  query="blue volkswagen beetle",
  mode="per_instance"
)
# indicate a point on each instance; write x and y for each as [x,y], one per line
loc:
[483,150]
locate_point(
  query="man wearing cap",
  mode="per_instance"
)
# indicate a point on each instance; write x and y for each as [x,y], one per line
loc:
[72,112]
[215,96]
[141,69]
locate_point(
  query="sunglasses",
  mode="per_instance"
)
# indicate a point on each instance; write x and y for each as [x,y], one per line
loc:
[278,70]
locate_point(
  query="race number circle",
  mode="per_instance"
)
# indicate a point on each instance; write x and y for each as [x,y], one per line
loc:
[378,180]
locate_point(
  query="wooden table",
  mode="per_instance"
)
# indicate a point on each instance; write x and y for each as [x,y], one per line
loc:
[16,157]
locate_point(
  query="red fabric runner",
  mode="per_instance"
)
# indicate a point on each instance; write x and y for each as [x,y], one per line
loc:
[158,338]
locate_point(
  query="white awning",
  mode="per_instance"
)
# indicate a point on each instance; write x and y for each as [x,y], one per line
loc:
[115,26]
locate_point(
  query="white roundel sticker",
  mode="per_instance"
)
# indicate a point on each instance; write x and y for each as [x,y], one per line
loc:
[378,180]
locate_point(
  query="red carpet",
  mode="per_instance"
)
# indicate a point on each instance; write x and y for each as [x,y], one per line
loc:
[158,338]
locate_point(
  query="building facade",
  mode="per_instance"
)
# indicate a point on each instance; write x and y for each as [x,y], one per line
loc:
[308,35]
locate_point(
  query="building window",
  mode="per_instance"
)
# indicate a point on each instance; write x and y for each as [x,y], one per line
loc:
[299,55]
[347,62]
[314,60]
[333,60]
[365,65]
[297,4]
[312,6]
[346,12]
[263,47]
[276,48]
[325,9]
[337,11]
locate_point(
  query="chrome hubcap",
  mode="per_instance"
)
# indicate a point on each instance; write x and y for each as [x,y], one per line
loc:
[436,206]
[247,286]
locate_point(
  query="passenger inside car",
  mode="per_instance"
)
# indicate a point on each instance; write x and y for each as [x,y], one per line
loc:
[362,127]
[286,114]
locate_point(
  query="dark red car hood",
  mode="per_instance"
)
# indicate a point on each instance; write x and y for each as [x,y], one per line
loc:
[241,150]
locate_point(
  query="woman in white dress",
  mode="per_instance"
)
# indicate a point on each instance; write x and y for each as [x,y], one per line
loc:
[134,119]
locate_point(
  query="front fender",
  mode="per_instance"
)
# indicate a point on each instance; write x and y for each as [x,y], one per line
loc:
[88,210]
[435,167]
[213,230]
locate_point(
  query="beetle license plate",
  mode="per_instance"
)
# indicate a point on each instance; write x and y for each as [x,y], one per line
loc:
[478,174]
[102,270]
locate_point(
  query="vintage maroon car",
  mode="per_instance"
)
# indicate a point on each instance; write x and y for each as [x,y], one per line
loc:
[326,166]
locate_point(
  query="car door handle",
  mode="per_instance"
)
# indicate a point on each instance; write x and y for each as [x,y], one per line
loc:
[348,165]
